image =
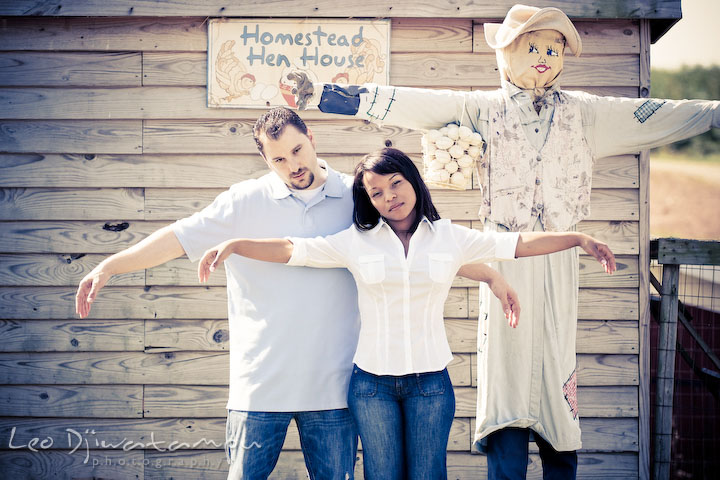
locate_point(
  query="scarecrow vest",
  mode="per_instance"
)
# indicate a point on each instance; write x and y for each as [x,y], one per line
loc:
[520,182]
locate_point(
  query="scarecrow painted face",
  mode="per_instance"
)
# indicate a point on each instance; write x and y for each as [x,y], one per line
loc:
[535,59]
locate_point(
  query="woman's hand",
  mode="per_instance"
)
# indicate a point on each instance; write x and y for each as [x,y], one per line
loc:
[508,298]
[600,251]
[213,258]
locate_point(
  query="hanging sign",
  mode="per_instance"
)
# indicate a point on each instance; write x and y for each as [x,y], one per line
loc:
[249,59]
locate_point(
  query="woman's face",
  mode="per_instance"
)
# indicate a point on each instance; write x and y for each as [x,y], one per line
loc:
[392,195]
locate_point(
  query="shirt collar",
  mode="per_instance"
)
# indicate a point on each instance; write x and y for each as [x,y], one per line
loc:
[516,93]
[383,224]
[332,188]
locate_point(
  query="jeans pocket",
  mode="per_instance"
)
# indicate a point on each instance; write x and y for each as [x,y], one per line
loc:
[362,384]
[432,383]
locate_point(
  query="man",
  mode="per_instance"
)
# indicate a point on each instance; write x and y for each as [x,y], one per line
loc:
[535,175]
[293,331]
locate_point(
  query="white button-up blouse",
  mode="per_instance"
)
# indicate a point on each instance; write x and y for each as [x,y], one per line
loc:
[401,299]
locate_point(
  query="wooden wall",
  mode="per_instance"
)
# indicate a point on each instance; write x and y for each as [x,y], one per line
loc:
[105,137]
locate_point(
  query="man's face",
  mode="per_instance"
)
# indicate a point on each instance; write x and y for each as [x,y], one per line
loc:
[535,59]
[292,156]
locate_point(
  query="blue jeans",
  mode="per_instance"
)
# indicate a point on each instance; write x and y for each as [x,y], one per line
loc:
[404,423]
[328,439]
[507,454]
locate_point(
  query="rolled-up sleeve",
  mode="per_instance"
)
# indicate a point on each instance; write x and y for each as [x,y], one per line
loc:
[479,247]
[321,252]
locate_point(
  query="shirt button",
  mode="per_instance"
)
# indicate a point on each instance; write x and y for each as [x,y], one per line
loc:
[539,158]
[537,130]
[537,181]
[539,206]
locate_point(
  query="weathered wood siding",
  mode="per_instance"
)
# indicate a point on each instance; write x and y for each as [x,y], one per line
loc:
[105,137]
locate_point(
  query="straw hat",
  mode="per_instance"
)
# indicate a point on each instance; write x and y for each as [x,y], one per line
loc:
[522,19]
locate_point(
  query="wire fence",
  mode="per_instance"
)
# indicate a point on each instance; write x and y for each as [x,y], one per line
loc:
[696,401]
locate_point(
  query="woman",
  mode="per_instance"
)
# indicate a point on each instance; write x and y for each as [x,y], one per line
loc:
[403,258]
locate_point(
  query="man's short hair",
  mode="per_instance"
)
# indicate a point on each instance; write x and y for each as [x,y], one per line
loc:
[273,122]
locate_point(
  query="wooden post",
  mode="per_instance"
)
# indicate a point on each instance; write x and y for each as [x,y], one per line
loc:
[666,370]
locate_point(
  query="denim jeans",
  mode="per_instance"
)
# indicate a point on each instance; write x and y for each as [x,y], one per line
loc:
[507,454]
[328,439]
[404,423]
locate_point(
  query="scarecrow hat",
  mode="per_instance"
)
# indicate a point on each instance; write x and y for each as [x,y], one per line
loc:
[522,19]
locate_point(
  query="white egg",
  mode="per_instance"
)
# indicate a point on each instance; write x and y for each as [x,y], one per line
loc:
[443,176]
[433,135]
[456,151]
[465,133]
[451,167]
[453,131]
[462,144]
[435,165]
[458,179]
[430,150]
[442,156]
[444,142]
[476,139]
[444,130]
[432,175]
[465,161]
[474,151]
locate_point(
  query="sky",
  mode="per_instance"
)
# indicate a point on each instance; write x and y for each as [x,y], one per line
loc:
[694,40]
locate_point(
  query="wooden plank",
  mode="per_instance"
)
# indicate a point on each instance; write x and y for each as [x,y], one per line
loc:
[598,38]
[68,465]
[593,401]
[198,335]
[52,170]
[71,203]
[170,302]
[74,236]
[593,303]
[593,336]
[72,335]
[104,34]
[115,69]
[591,273]
[677,251]
[415,70]
[218,136]
[216,171]
[613,204]
[57,270]
[373,8]
[431,35]
[76,136]
[96,401]
[622,237]
[113,368]
[153,102]
[616,172]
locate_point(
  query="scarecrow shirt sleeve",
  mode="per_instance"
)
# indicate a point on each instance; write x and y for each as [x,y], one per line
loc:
[414,108]
[615,125]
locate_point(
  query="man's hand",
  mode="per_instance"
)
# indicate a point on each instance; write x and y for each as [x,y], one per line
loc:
[88,290]
[303,90]
[508,298]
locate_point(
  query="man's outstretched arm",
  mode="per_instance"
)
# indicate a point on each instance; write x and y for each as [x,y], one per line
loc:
[156,249]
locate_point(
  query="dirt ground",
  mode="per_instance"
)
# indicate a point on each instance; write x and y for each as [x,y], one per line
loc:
[684,199]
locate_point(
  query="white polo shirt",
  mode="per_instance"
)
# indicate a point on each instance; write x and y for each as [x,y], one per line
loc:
[293,331]
[402,298]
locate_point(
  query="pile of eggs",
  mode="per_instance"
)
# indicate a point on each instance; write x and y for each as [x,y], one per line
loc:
[449,155]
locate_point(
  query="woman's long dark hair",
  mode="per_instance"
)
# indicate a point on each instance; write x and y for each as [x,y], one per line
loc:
[384,162]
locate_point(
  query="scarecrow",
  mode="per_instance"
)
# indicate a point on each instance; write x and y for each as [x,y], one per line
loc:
[535,174]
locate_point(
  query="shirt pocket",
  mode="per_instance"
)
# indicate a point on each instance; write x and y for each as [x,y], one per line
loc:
[440,267]
[372,268]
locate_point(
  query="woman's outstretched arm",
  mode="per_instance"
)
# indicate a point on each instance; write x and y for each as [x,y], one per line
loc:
[540,243]
[278,250]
